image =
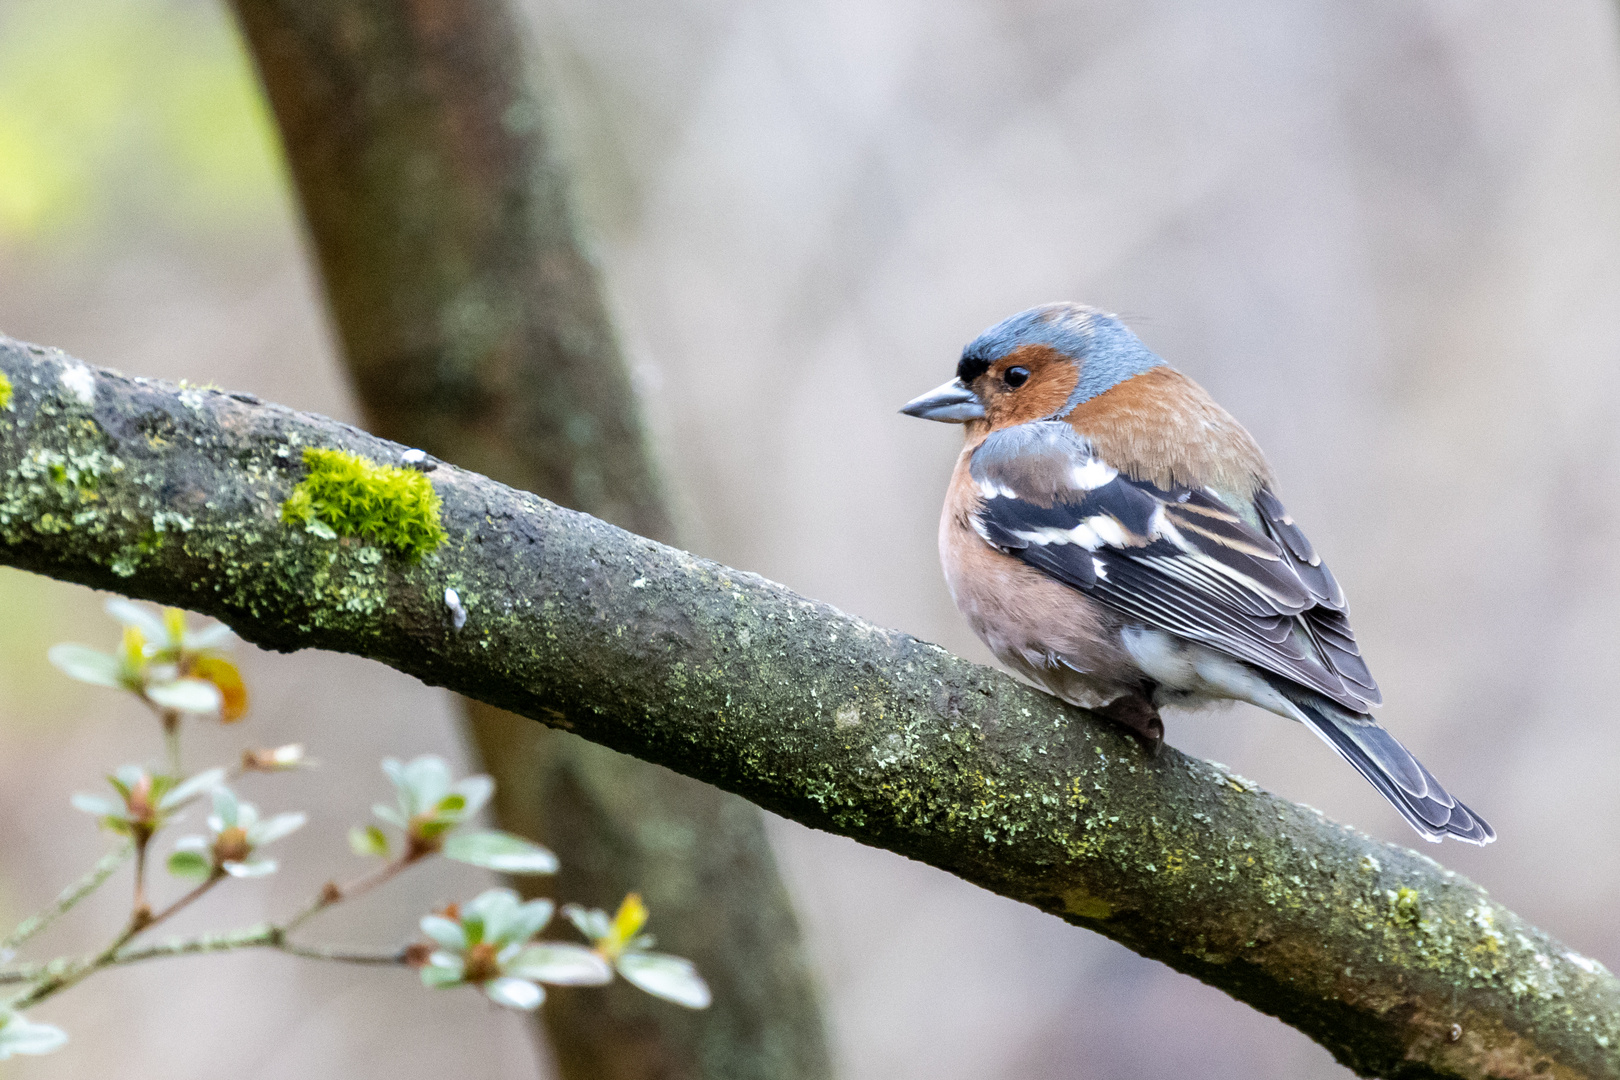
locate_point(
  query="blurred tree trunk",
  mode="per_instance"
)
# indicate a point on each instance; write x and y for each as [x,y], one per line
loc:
[473,326]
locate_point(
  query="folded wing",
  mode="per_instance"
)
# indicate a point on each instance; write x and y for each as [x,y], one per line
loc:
[1179,560]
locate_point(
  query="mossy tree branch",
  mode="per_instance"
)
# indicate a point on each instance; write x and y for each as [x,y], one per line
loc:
[471,321]
[1399,967]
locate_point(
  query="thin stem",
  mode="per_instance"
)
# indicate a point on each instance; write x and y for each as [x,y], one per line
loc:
[171,740]
[344,956]
[273,937]
[140,909]
[79,972]
[262,936]
[214,879]
[332,894]
[69,897]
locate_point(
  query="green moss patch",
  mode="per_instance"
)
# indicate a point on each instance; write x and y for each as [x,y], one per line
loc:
[5,391]
[348,495]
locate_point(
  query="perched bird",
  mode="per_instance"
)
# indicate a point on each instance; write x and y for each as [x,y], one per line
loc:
[1111,534]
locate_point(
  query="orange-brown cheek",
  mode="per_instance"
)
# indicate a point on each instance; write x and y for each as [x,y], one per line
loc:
[1051,379]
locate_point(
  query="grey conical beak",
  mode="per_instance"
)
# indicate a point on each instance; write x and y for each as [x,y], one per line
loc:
[952,403]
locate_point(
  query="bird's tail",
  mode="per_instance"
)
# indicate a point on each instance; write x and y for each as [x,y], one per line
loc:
[1391,768]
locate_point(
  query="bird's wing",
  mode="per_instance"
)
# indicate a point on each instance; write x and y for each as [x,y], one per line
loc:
[1327,621]
[1180,560]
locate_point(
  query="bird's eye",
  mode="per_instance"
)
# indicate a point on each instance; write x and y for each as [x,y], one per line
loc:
[1016,377]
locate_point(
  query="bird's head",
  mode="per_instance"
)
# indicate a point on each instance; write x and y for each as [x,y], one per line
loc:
[1037,365]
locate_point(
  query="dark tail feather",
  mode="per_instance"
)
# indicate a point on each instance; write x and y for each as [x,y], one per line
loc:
[1391,768]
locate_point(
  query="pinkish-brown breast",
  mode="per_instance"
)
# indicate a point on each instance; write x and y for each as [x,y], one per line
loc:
[1041,628]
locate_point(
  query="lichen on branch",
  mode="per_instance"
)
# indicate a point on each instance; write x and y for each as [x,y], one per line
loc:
[1399,967]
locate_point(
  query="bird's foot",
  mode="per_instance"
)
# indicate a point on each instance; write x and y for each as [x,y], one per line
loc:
[1140,717]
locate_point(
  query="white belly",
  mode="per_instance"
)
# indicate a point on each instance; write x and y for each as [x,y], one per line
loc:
[1188,673]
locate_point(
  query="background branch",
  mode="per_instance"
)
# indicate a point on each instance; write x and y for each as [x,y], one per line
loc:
[1396,965]
[472,326]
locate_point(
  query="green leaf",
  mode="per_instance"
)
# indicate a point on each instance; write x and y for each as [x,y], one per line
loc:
[368,840]
[439,976]
[190,865]
[500,851]
[86,664]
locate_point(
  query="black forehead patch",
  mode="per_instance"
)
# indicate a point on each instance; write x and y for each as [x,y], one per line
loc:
[973,364]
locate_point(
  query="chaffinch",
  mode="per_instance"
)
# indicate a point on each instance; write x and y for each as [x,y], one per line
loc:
[1111,534]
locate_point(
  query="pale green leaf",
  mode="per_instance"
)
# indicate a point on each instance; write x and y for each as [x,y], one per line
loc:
[251,868]
[19,1035]
[438,976]
[86,664]
[561,964]
[147,621]
[190,787]
[669,977]
[267,832]
[218,636]
[514,993]
[500,851]
[447,932]
[186,695]
[390,815]
[99,805]
[475,792]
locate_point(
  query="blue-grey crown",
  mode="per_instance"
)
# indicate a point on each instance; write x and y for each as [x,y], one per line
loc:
[1106,350]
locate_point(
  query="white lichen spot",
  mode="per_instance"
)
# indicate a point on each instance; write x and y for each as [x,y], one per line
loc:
[1370,865]
[1585,963]
[458,614]
[639,583]
[413,457]
[847,716]
[192,398]
[171,521]
[79,381]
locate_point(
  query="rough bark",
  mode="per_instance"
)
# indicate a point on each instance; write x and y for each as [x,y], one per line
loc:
[1396,965]
[473,326]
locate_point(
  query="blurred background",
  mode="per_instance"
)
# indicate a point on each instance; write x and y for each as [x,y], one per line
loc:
[1386,235]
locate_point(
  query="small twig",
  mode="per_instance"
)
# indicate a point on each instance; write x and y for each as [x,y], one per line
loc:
[332,894]
[67,899]
[262,936]
[171,739]
[140,909]
[54,977]
[345,956]
[138,922]
[153,920]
